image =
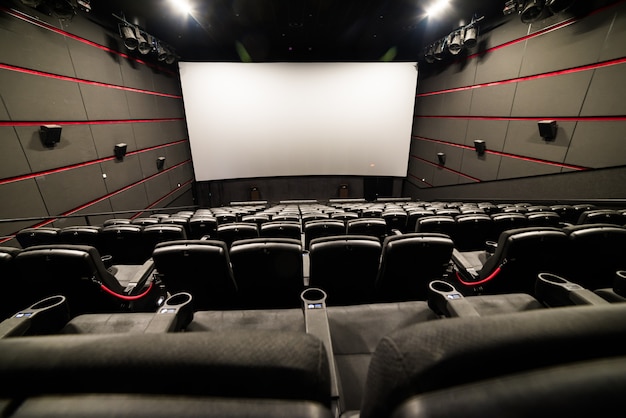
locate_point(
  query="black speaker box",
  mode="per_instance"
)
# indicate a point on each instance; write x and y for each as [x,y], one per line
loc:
[50,135]
[547,129]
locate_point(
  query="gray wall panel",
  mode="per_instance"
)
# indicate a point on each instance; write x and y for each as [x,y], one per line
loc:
[483,167]
[443,177]
[70,189]
[493,101]
[95,64]
[501,64]
[100,207]
[137,75]
[429,105]
[493,132]
[454,130]
[148,134]
[169,107]
[556,96]
[38,48]
[29,97]
[457,103]
[459,74]
[523,139]
[606,92]
[134,198]
[121,173]
[168,82]
[142,106]
[104,103]
[514,167]
[105,137]
[20,200]
[570,46]
[177,153]
[155,187]
[598,144]
[75,146]
[614,45]
[13,162]
[181,175]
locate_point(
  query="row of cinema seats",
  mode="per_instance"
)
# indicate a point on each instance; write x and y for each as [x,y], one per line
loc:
[447,356]
[250,274]
[259,273]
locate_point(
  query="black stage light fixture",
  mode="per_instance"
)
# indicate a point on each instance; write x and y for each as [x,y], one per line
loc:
[429,54]
[161,52]
[120,151]
[510,7]
[470,36]
[455,42]
[441,157]
[439,48]
[480,146]
[547,129]
[144,44]
[128,35]
[532,11]
[50,135]
[160,162]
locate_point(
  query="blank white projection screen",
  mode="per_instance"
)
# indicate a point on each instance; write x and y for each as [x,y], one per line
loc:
[297,119]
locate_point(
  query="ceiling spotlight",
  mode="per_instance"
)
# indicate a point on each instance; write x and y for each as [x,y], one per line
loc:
[144,42]
[429,54]
[558,6]
[510,7]
[471,33]
[455,42]
[532,11]
[161,52]
[128,35]
[438,52]
[170,58]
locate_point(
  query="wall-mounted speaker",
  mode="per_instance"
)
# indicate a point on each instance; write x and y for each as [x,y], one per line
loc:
[441,156]
[160,163]
[480,146]
[120,151]
[547,129]
[50,135]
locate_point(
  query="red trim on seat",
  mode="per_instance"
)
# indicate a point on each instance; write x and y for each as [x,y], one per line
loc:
[479,282]
[124,297]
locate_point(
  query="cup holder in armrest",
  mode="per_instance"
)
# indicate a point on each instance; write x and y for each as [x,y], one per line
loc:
[444,299]
[46,316]
[553,291]
[619,283]
[173,315]
[313,298]
[491,247]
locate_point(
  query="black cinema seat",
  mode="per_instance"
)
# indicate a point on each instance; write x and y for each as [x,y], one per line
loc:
[78,273]
[268,272]
[81,235]
[602,216]
[322,228]
[212,374]
[202,226]
[281,229]
[199,267]
[151,235]
[345,267]
[544,218]
[442,224]
[123,242]
[597,251]
[29,237]
[233,231]
[520,255]
[9,302]
[506,221]
[409,262]
[375,227]
[455,354]
[395,219]
[472,231]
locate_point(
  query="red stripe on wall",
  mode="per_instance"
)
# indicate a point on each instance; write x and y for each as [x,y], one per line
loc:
[83,164]
[26,18]
[446,168]
[86,122]
[588,67]
[505,154]
[83,81]
[618,118]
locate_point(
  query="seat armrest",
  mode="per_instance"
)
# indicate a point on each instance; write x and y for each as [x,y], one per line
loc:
[464,266]
[141,277]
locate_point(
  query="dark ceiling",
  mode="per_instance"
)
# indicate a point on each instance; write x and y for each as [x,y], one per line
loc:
[296,30]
